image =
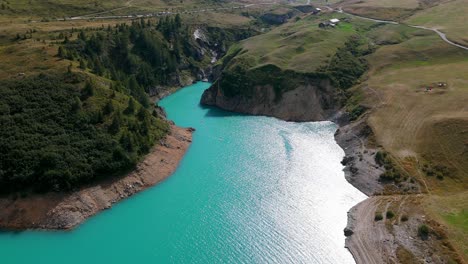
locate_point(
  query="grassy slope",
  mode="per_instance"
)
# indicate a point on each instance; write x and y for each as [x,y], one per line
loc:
[449,17]
[386,9]
[48,9]
[415,126]
[58,8]
[300,46]
[421,127]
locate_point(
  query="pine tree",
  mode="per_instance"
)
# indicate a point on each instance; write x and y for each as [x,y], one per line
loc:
[115,125]
[108,108]
[142,114]
[98,68]
[87,91]
[178,21]
[61,52]
[82,35]
[131,107]
[126,142]
[76,106]
[82,64]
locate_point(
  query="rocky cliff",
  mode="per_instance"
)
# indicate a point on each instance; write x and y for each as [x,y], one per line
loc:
[310,100]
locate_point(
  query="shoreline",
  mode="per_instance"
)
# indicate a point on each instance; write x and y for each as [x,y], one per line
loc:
[389,239]
[362,172]
[65,211]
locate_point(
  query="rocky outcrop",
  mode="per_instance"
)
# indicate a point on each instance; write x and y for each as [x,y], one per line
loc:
[314,100]
[361,170]
[278,18]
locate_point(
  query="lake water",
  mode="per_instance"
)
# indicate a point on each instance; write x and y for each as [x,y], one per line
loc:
[249,190]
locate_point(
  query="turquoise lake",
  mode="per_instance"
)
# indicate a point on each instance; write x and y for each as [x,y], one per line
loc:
[249,190]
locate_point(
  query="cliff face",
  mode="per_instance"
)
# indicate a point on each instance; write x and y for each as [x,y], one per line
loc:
[312,100]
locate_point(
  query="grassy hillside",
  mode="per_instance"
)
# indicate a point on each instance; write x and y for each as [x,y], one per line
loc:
[289,54]
[387,9]
[299,45]
[423,125]
[449,17]
[69,8]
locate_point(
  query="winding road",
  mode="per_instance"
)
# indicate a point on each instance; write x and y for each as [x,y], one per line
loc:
[441,35]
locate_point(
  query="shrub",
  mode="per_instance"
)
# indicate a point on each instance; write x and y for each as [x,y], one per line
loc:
[404,218]
[423,231]
[390,214]
[380,157]
[378,216]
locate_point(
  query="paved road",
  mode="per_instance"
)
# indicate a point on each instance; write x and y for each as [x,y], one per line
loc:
[441,35]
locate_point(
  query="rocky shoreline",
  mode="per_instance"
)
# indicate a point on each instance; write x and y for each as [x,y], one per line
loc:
[63,211]
[384,241]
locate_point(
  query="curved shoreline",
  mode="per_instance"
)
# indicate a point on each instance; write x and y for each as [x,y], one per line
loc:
[65,211]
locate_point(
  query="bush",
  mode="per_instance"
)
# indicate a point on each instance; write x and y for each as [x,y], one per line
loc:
[390,214]
[423,231]
[404,218]
[378,216]
[380,157]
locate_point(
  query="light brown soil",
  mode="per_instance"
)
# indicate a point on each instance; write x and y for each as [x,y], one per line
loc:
[67,210]
[393,240]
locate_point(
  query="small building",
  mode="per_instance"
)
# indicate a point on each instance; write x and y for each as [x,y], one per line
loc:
[334,21]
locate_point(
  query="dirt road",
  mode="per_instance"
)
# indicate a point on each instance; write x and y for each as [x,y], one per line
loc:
[441,35]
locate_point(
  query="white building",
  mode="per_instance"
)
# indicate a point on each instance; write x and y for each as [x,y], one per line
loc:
[334,21]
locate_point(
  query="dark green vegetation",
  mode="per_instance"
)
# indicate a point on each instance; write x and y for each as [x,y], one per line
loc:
[146,54]
[392,172]
[64,130]
[423,231]
[348,64]
[378,216]
[389,214]
[439,171]
[141,54]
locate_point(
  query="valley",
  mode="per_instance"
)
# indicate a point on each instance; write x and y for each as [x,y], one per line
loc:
[391,74]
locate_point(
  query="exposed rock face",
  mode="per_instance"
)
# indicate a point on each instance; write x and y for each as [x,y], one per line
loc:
[314,101]
[277,19]
[361,169]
